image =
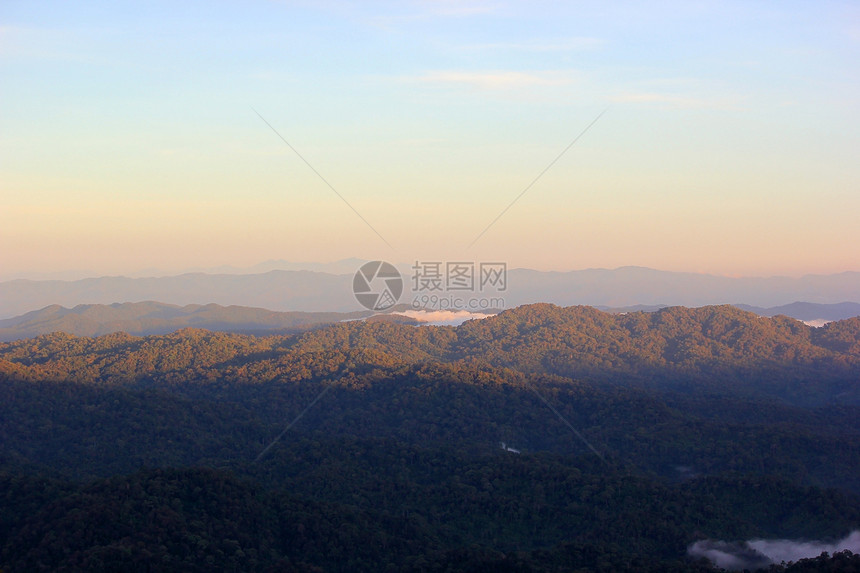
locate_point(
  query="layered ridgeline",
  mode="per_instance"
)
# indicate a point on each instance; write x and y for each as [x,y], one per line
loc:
[720,350]
[150,317]
[315,291]
[627,438]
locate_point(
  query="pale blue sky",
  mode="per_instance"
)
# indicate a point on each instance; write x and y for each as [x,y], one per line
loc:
[730,144]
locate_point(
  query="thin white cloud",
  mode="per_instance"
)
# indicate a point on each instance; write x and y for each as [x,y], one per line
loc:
[497,80]
[675,100]
[431,9]
[564,45]
[457,7]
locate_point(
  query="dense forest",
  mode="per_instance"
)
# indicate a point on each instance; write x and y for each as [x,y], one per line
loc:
[376,446]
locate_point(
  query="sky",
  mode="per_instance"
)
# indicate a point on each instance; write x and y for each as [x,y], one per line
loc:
[162,137]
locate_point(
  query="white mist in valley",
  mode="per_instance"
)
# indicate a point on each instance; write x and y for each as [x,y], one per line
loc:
[760,553]
[443,317]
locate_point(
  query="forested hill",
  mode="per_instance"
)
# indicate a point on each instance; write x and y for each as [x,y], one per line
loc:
[714,349]
[144,318]
[375,446]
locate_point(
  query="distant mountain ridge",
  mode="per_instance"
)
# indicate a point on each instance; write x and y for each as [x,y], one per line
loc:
[808,310]
[343,266]
[150,317]
[277,290]
[629,286]
[314,291]
[146,318]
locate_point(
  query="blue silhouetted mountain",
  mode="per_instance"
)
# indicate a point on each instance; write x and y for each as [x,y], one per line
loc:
[311,291]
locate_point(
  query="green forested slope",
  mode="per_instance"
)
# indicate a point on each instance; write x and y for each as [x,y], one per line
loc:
[709,423]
